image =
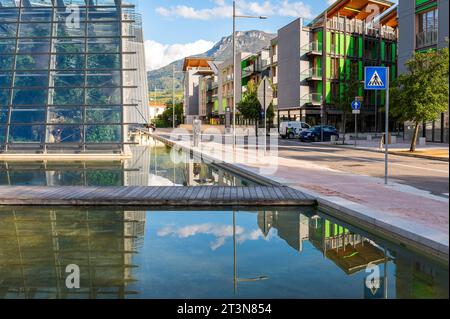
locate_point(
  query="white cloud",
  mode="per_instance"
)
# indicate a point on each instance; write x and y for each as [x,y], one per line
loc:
[159,54]
[330,2]
[220,233]
[223,9]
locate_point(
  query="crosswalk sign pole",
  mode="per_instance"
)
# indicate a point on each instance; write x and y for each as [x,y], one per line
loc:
[386,139]
[377,78]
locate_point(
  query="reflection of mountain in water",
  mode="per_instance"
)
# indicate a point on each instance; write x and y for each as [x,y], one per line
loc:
[36,246]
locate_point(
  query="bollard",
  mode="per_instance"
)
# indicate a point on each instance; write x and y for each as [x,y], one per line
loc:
[333,138]
[393,140]
[422,141]
[197,130]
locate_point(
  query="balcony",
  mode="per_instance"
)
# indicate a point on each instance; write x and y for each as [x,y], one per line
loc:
[312,48]
[312,74]
[275,59]
[311,99]
[426,39]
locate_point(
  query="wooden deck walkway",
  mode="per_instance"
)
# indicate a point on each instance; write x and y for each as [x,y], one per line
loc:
[153,196]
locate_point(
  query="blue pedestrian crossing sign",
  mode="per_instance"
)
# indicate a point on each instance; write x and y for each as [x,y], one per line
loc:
[356,105]
[375,78]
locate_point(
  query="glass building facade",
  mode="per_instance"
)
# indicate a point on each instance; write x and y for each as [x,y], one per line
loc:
[72,75]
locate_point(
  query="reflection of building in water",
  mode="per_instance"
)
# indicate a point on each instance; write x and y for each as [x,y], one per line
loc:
[292,227]
[351,252]
[418,278]
[36,246]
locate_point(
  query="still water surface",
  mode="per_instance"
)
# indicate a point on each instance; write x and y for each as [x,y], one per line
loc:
[255,253]
[150,166]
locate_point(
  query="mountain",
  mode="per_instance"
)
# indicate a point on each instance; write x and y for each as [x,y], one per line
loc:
[246,41]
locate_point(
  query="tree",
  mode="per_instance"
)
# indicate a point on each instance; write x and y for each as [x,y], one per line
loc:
[351,88]
[421,94]
[249,106]
[165,119]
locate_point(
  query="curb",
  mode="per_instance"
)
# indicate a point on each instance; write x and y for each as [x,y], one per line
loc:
[396,153]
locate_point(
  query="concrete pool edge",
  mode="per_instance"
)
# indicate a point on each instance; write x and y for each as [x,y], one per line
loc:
[415,236]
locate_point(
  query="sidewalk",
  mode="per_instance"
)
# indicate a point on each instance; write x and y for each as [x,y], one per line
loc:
[410,213]
[433,151]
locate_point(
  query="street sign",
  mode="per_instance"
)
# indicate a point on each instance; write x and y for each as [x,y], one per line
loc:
[356,111]
[265,93]
[356,105]
[375,78]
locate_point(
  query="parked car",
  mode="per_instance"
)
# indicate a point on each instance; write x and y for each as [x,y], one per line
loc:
[292,129]
[314,134]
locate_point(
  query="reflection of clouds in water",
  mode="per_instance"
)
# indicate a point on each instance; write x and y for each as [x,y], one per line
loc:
[221,232]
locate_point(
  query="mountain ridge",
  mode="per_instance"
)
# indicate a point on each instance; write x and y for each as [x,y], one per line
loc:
[246,41]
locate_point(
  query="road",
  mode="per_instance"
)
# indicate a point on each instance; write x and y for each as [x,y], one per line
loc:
[423,174]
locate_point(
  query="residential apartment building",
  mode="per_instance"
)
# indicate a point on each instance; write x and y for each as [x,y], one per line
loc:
[315,60]
[194,69]
[273,52]
[255,67]
[423,25]
[70,85]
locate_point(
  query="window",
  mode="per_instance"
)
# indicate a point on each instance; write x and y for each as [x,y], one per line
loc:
[428,21]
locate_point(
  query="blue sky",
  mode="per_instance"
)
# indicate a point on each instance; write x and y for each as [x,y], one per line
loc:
[178,28]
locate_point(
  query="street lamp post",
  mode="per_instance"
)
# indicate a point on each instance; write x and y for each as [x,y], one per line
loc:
[234,62]
[173,94]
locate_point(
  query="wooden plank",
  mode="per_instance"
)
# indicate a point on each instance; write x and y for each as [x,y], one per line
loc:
[139,195]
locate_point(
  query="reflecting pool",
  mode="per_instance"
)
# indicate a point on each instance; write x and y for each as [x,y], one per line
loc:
[254,253]
[150,165]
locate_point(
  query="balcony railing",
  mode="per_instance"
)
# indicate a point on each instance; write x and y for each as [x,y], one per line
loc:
[312,47]
[311,74]
[426,39]
[311,99]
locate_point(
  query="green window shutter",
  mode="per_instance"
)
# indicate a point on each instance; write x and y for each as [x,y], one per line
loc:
[360,47]
[328,92]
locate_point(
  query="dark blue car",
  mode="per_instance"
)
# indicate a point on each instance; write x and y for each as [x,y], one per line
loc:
[314,134]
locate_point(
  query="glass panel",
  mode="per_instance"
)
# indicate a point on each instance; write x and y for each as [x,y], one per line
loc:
[32,62]
[6,62]
[7,46]
[103,29]
[68,30]
[5,80]
[30,79]
[62,96]
[3,115]
[101,96]
[68,78]
[69,46]
[34,29]
[65,115]
[103,45]
[65,134]
[4,97]
[28,115]
[37,14]
[111,114]
[103,61]
[72,61]
[2,134]
[8,30]
[10,15]
[103,134]
[103,78]
[34,46]
[26,133]
[29,97]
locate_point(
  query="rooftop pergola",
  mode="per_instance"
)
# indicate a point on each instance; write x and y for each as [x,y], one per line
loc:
[354,9]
